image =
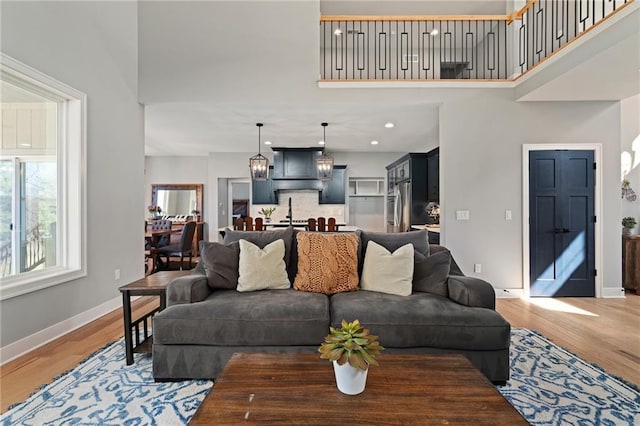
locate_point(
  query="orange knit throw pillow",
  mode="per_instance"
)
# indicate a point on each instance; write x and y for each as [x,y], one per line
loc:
[327,263]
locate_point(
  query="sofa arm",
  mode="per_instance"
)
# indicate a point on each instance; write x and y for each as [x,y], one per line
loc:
[187,289]
[470,291]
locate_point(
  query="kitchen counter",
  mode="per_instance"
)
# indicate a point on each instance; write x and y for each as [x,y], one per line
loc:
[430,228]
[296,225]
[342,227]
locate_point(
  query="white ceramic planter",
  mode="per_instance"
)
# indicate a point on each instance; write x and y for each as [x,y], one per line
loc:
[350,380]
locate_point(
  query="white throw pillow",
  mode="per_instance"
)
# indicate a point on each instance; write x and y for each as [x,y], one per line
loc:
[387,272]
[261,269]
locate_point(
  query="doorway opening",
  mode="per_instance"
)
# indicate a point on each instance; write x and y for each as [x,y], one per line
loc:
[239,199]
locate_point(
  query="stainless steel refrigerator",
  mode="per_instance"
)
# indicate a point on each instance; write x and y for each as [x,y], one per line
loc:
[399,219]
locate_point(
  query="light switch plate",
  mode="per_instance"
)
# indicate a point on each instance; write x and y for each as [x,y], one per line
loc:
[462,214]
[507,215]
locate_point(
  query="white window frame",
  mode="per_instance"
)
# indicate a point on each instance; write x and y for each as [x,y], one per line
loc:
[71,227]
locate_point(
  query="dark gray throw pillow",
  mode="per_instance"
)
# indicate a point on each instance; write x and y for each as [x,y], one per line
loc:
[393,241]
[262,238]
[430,273]
[220,264]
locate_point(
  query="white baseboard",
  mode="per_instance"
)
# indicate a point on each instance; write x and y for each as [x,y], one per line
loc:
[42,337]
[613,293]
[509,293]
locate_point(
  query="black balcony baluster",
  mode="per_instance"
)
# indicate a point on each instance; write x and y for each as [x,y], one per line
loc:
[466,48]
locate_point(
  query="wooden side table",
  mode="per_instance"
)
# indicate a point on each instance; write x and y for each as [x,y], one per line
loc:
[631,262]
[151,285]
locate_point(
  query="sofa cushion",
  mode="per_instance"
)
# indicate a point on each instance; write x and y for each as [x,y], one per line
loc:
[431,273]
[262,268]
[262,238]
[327,263]
[422,319]
[220,264]
[259,318]
[388,272]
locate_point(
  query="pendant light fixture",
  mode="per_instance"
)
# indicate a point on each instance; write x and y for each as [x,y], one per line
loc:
[324,163]
[259,164]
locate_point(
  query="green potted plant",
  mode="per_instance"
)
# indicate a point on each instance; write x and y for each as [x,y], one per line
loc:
[352,348]
[628,223]
[267,212]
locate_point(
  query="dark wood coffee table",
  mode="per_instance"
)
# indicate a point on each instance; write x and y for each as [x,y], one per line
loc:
[404,389]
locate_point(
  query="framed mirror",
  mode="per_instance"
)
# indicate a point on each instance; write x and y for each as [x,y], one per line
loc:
[178,199]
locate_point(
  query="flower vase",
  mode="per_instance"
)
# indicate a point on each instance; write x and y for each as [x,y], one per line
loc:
[350,380]
[267,220]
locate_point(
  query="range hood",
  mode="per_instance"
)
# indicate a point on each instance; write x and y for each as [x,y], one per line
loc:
[293,184]
[295,168]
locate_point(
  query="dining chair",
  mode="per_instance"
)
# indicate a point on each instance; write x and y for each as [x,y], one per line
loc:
[331,224]
[311,224]
[322,224]
[184,247]
[243,224]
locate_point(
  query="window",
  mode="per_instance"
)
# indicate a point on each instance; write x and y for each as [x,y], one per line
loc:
[42,181]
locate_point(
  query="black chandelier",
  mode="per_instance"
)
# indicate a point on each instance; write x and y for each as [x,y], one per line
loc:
[259,164]
[324,163]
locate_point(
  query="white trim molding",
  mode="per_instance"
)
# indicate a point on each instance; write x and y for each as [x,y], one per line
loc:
[42,337]
[597,153]
[509,293]
[613,293]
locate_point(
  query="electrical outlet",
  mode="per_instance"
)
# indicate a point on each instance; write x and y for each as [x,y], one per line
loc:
[507,215]
[116,274]
[477,268]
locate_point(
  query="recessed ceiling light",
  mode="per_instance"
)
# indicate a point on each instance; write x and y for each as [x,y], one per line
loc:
[267,142]
[321,143]
[338,32]
[374,142]
[389,125]
[434,32]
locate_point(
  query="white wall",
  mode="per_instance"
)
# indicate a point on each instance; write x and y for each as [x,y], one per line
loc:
[481,169]
[91,46]
[630,133]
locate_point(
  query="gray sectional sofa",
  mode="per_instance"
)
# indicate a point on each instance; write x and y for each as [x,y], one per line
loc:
[203,326]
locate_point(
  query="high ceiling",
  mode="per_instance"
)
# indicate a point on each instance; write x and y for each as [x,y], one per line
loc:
[209,70]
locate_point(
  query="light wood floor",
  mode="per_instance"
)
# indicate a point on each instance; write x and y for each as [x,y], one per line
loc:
[602,331]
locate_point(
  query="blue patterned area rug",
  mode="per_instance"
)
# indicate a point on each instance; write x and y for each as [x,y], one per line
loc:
[551,386]
[548,385]
[104,390]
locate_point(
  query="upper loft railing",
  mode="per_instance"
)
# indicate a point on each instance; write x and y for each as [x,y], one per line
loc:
[419,48]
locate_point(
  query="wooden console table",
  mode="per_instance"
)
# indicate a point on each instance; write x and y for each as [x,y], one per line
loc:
[631,262]
[151,285]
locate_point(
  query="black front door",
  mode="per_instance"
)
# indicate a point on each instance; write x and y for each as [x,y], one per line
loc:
[561,223]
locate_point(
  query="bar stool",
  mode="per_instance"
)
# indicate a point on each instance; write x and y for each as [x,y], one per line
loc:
[243,224]
[311,224]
